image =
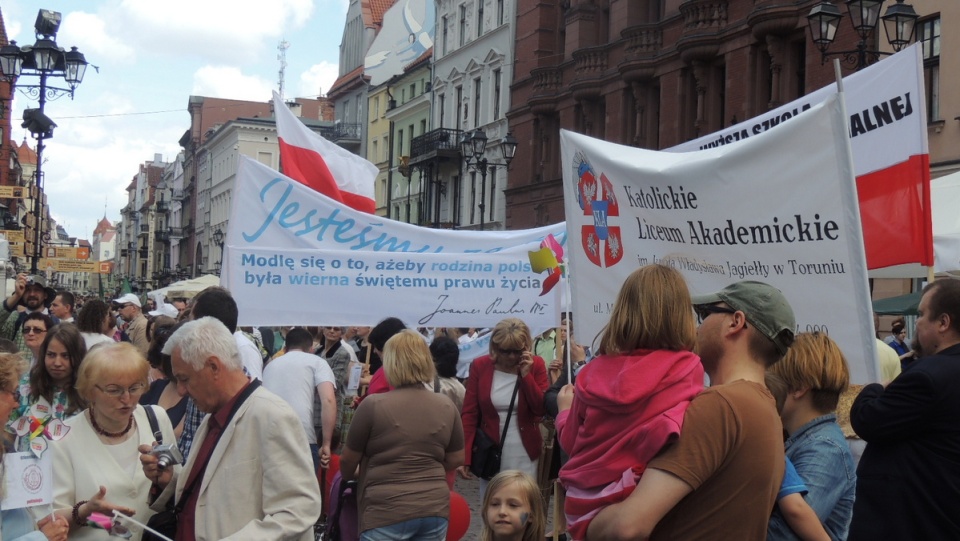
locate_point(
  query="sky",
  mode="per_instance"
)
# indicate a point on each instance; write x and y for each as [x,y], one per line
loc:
[152,56]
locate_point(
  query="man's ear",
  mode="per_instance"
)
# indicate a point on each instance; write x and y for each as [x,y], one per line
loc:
[216,366]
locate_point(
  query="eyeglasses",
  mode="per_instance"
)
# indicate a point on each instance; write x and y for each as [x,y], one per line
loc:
[13,394]
[512,351]
[116,391]
[34,330]
[704,310]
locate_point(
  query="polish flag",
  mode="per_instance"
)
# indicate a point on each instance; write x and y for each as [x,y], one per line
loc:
[322,165]
[891,156]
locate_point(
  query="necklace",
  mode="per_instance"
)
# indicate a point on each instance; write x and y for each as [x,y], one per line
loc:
[102,432]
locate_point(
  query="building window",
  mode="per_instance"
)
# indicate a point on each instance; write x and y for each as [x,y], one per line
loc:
[400,143]
[459,93]
[442,107]
[443,42]
[479,18]
[928,35]
[476,102]
[376,107]
[423,126]
[410,131]
[499,12]
[413,90]
[375,152]
[496,94]
[463,25]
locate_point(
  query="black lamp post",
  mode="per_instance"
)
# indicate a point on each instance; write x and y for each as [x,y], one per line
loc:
[42,60]
[899,22]
[473,147]
[218,240]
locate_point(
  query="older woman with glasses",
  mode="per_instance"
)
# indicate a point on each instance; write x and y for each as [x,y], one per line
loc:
[98,458]
[34,329]
[509,382]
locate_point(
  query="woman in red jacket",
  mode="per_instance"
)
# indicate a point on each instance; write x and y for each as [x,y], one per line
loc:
[490,387]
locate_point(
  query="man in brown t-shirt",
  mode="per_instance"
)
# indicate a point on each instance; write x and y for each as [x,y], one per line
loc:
[720,479]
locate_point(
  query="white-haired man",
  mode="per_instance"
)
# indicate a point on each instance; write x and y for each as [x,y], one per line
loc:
[250,475]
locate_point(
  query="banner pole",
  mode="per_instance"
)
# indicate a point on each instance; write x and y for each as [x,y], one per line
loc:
[566,349]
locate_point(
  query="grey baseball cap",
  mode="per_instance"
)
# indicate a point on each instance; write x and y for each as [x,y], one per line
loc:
[764,305]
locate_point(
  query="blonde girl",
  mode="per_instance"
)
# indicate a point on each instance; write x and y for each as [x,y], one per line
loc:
[513,509]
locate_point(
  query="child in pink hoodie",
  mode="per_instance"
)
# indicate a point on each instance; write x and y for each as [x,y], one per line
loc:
[630,400]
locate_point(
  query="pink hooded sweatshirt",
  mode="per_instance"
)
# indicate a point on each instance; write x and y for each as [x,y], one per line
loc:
[625,410]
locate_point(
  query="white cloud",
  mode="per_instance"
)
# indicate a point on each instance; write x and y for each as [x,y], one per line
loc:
[231,83]
[225,31]
[89,33]
[320,77]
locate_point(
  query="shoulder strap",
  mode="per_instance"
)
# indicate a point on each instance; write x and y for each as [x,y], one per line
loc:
[154,425]
[185,495]
[516,389]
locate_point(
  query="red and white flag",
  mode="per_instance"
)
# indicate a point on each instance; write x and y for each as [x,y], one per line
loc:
[322,165]
[888,129]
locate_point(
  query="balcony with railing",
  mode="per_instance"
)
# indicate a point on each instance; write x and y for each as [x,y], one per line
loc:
[347,135]
[176,233]
[162,235]
[441,143]
[179,194]
[163,206]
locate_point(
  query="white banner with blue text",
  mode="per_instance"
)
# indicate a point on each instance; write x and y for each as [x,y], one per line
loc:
[293,256]
[780,207]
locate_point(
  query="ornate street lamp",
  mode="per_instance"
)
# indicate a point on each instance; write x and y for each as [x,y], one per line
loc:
[899,23]
[218,240]
[473,148]
[44,59]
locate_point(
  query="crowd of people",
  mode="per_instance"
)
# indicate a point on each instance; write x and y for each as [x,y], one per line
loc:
[690,418]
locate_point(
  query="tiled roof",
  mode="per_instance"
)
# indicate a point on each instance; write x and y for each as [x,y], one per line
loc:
[345,79]
[26,154]
[373,11]
[420,60]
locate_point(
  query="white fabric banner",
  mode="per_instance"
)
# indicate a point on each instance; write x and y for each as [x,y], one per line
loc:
[886,110]
[780,207]
[296,257]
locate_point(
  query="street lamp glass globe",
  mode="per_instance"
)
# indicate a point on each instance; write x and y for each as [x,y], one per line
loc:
[865,15]
[479,140]
[11,60]
[899,22]
[76,67]
[45,55]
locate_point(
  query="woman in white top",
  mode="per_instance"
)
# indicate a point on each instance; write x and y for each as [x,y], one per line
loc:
[98,458]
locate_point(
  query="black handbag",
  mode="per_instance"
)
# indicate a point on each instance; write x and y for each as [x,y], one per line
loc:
[164,522]
[485,455]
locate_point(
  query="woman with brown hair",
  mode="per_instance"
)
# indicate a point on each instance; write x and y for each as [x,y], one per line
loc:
[506,384]
[49,389]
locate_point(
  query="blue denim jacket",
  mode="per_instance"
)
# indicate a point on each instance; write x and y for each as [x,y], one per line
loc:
[823,460]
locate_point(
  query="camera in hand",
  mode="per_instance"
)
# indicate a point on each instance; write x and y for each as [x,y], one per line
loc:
[167,455]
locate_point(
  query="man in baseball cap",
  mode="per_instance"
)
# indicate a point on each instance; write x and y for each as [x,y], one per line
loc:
[33,294]
[128,306]
[724,472]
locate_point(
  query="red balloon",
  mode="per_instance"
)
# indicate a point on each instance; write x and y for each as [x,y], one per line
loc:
[459,517]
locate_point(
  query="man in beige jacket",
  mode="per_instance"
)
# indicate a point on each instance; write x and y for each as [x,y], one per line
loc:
[250,475]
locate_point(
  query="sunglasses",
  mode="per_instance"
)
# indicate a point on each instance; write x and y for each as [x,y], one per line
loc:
[703,311]
[34,330]
[512,351]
